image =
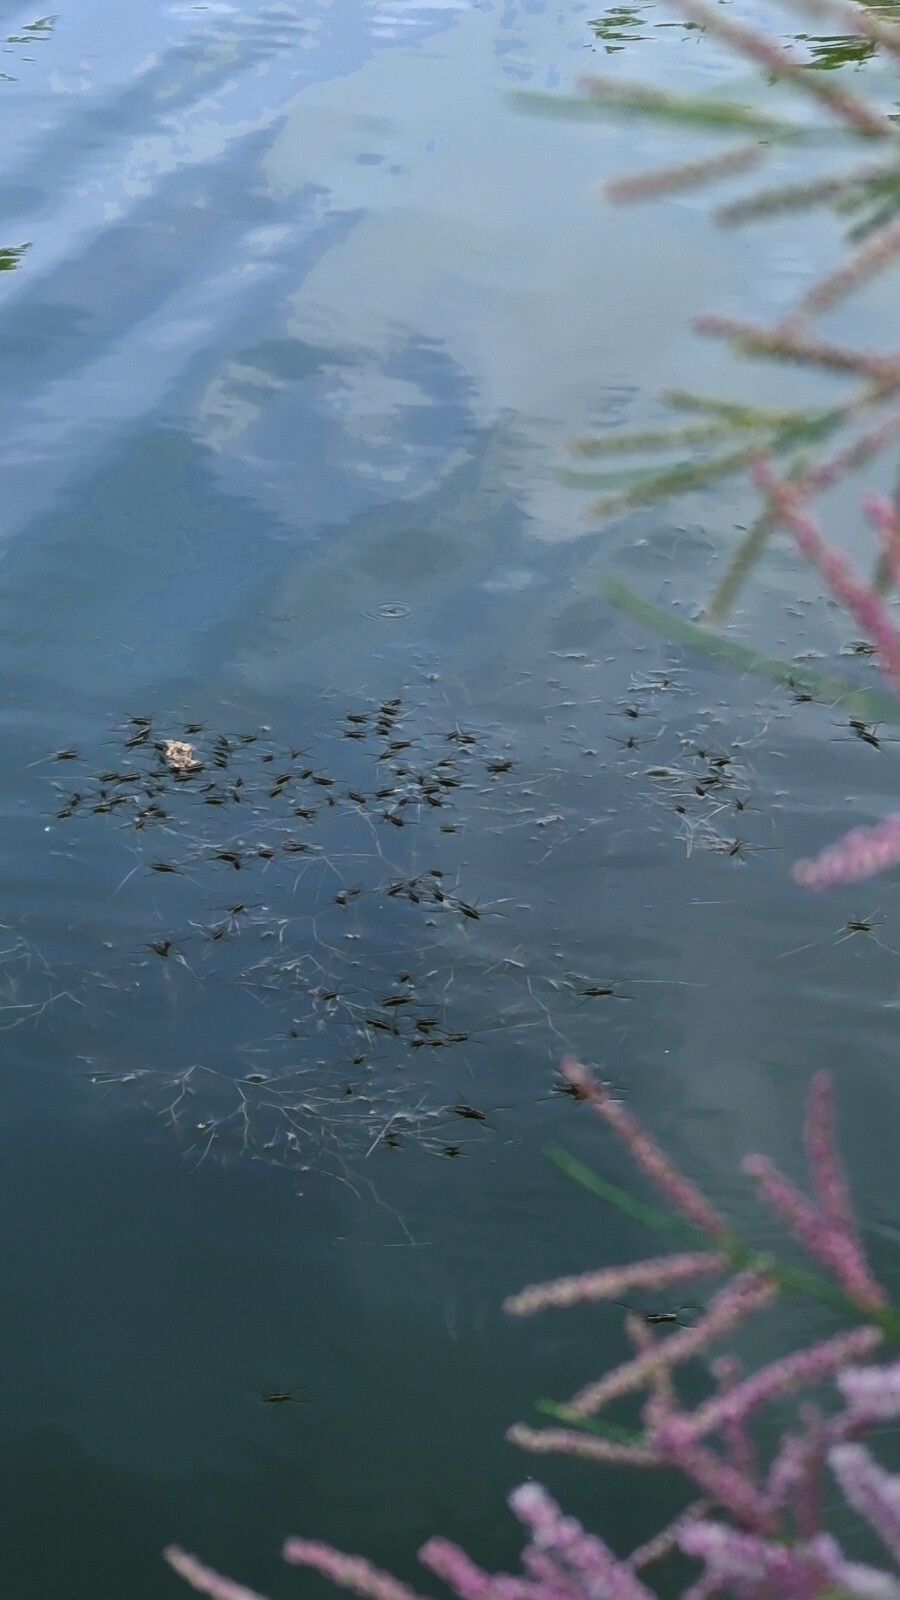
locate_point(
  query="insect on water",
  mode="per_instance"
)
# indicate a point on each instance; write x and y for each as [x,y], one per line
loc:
[471,1113]
[859,925]
[573,1091]
[867,732]
[865,926]
[682,1316]
[285,1397]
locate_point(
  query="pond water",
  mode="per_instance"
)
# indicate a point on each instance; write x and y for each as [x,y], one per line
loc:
[309,310]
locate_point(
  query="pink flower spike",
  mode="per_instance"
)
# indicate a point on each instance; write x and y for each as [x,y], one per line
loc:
[850,1577]
[788,508]
[871,1491]
[745,1293]
[781,1378]
[545,1571]
[469,1582]
[794,1479]
[723,1483]
[583,1553]
[827,1173]
[885,519]
[707,1585]
[752,1564]
[668,1538]
[587,1446]
[825,1167]
[610,1282]
[349,1572]
[852,457]
[873,256]
[859,854]
[683,1194]
[458,1572]
[820,1237]
[204,1579]
[802,348]
[872,1394]
[883,515]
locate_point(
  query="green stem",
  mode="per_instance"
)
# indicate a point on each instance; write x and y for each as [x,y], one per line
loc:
[871,705]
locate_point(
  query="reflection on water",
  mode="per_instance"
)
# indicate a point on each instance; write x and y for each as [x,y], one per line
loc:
[340,802]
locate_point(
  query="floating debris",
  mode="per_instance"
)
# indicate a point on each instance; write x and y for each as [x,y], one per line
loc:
[179,756]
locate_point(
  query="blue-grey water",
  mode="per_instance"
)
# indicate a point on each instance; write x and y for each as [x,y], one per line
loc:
[308,311]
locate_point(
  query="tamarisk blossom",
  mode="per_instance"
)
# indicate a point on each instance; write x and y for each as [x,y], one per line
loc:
[348,1572]
[684,1195]
[661,1272]
[746,1292]
[587,1446]
[739,1446]
[872,1393]
[582,1554]
[794,1483]
[871,1491]
[544,1569]
[861,853]
[827,1231]
[793,197]
[821,1237]
[668,1538]
[825,1167]
[688,175]
[786,63]
[562,1562]
[785,345]
[788,508]
[205,1579]
[471,1582]
[767,1538]
[825,474]
[723,1483]
[780,1378]
[871,257]
[883,515]
[751,1567]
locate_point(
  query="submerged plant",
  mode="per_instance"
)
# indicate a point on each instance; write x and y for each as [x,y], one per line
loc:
[755,1522]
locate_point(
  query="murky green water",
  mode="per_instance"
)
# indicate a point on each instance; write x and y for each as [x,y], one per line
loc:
[308,314]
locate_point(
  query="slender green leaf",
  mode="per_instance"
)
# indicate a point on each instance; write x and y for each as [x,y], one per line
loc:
[662,1221]
[606,1430]
[739,415]
[796,1279]
[643,101]
[870,704]
[649,439]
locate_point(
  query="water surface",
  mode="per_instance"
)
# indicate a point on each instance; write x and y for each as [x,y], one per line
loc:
[307,314]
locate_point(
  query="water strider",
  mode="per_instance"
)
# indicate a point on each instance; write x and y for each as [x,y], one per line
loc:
[683,1316]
